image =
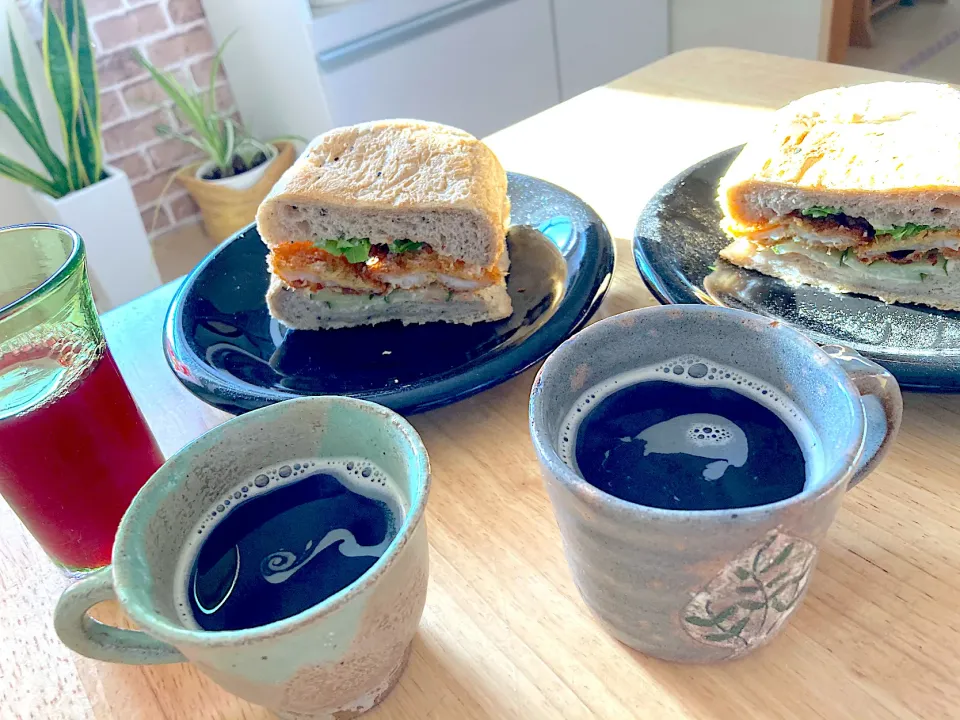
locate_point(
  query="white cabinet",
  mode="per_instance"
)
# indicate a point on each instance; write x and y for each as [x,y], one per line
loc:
[479,65]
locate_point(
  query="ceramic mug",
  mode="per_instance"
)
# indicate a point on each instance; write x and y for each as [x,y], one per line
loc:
[708,585]
[334,660]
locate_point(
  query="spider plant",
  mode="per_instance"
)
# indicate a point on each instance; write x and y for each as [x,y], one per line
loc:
[72,78]
[224,141]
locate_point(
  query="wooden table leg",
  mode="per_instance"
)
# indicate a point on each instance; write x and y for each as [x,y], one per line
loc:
[838,37]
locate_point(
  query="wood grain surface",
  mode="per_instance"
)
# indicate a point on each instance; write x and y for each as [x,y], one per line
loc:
[504,634]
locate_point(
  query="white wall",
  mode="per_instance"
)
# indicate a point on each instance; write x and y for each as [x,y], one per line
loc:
[784,27]
[268,61]
[600,40]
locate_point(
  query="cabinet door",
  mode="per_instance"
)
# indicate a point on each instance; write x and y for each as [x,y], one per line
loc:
[476,64]
[600,40]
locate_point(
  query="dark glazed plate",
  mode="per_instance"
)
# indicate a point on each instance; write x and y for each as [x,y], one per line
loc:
[227,350]
[676,245]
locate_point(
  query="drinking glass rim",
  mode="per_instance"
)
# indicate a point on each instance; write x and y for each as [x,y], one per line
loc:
[57,277]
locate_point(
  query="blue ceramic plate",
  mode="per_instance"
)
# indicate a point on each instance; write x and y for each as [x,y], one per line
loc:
[676,246]
[225,348]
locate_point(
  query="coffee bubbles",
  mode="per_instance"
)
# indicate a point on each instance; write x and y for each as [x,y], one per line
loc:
[691,434]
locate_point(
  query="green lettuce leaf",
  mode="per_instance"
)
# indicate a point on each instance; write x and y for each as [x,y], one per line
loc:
[355,250]
[400,246]
[899,232]
[821,211]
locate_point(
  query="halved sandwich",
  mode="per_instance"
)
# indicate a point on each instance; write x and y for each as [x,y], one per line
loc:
[392,220]
[856,190]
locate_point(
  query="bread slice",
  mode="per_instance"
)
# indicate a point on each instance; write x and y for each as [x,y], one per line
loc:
[305,310]
[886,152]
[393,179]
[940,286]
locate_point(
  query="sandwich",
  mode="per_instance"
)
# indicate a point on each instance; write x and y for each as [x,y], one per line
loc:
[856,190]
[392,220]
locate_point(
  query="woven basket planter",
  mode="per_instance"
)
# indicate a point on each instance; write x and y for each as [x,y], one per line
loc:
[226,210]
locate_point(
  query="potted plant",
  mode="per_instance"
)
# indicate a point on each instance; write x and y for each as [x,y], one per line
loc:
[78,190]
[239,170]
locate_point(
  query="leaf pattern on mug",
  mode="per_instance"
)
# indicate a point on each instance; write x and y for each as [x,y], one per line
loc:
[753,595]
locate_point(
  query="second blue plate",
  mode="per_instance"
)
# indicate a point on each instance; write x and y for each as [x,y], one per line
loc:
[676,248]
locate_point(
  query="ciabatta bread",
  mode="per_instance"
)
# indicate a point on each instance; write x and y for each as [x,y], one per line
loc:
[856,190]
[393,179]
[938,288]
[888,152]
[306,310]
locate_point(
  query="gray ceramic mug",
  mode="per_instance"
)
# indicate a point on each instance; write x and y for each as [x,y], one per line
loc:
[708,585]
[333,660]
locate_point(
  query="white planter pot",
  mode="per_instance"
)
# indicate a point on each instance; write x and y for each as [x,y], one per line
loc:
[119,256]
[242,181]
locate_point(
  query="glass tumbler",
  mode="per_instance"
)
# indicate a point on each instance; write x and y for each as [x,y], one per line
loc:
[74,447]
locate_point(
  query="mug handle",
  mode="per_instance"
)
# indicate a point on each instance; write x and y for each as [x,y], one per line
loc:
[94,639]
[882,406]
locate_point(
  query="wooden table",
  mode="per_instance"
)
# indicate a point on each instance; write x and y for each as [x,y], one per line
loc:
[504,633]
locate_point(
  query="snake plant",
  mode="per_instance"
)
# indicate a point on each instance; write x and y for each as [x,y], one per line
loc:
[72,79]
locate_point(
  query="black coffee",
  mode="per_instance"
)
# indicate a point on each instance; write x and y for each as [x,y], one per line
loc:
[681,446]
[288,540]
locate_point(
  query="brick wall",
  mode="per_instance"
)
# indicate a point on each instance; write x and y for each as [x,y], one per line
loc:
[174,35]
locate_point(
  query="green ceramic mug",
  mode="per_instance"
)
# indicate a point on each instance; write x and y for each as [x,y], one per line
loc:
[335,659]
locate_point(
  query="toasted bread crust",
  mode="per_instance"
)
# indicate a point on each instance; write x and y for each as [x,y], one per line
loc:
[940,291]
[888,152]
[397,167]
[296,308]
